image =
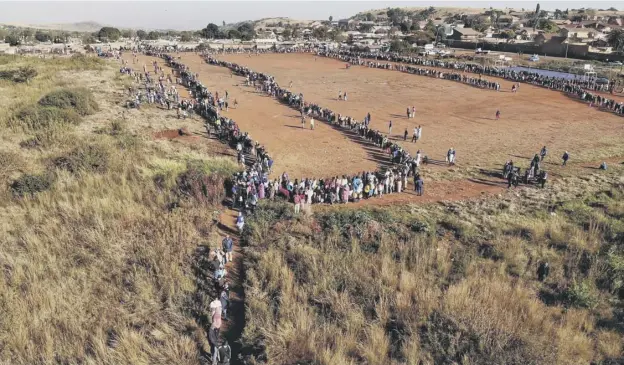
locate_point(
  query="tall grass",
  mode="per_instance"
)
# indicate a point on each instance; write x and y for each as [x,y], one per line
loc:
[95,267]
[363,286]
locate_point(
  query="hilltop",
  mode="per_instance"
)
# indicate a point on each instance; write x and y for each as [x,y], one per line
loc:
[87,26]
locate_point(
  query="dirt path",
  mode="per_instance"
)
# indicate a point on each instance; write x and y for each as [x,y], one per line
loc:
[232,329]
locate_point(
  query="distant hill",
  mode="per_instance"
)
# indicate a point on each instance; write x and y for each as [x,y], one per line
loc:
[88,26]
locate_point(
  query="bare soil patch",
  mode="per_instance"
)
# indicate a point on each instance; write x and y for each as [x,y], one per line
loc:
[452,114]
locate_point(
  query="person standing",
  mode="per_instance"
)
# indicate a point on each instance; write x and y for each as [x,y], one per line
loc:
[302,122]
[405,135]
[419,184]
[312,123]
[497,114]
[297,200]
[389,128]
[543,153]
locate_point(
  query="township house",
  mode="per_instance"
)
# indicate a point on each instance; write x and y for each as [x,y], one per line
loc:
[465,34]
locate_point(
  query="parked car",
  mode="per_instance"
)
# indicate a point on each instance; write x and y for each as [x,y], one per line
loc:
[534,58]
[481,51]
[602,80]
[615,63]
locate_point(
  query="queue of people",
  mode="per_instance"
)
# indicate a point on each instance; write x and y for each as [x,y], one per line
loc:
[253,184]
[587,89]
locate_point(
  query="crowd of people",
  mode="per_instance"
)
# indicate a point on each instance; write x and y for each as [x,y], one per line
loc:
[253,184]
[587,89]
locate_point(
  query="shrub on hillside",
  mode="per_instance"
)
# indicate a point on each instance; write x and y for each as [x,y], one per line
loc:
[31,184]
[37,116]
[22,74]
[85,158]
[201,186]
[582,295]
[80,100]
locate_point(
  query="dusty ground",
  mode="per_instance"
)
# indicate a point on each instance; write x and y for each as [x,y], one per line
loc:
[452,114]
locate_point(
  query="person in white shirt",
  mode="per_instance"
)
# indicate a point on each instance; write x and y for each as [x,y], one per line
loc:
[215,307]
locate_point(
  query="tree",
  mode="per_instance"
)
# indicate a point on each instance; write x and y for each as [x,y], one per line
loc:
[558,14]
[337,36]
[153,35]
[233,34]
[186,36]
[320,33]
[365,28]
[247,31]
[612,9]
[286,34]
[129,33]
[546,25]
[12,40]
[88,39]
[26,34]
[615,38]
[405,27]
[370,17]
[537,9]
[224,23]
[42,36]
[141,34]
[3,34]
[430,27]
[398,45]
[109,34]
[590,12]
[331,18]
[210,31]
[296,33]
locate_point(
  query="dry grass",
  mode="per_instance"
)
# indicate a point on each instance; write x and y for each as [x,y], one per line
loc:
[351,286]
[95,269]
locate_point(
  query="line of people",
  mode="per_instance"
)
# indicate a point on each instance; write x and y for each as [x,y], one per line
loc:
[578,87]
[331,190]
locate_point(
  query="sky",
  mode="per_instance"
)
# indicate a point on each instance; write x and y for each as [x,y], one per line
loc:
[192,15]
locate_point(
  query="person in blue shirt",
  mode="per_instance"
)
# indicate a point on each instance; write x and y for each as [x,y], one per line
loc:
[228,246]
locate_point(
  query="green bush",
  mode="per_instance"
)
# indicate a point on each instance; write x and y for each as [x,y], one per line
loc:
[80,100]
[581,294]
[84,158]
[31,184]
[22,74]
[37,116]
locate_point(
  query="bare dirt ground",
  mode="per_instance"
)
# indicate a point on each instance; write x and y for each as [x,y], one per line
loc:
[451,114]
[299,151]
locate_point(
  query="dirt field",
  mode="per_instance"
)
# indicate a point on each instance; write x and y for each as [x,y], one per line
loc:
[448,111]
[452,114]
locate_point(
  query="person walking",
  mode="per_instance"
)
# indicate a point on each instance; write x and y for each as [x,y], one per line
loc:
[405,135]
[302,122]
[228,246]
[497,114]
[389,128]
[565,158]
